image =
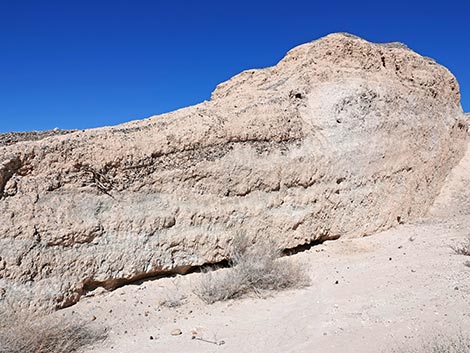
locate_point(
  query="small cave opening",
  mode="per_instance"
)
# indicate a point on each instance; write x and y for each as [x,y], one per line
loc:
[296,95]
[461,126]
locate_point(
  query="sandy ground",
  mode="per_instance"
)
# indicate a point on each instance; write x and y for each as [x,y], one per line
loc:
[374,294]
[398,286]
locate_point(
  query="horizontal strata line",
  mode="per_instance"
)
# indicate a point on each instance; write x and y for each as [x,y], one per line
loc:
[176,160]
[111,284]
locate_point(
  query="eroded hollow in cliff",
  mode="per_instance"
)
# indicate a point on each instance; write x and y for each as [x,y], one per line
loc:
[89,285]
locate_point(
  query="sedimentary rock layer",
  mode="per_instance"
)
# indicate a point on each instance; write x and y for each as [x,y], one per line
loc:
[341,138]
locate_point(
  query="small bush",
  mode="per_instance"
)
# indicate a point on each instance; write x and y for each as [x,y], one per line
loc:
[42,336]
[255,268]
[441,344]
[463,248]
[173,300]
[172,297]
[214,287]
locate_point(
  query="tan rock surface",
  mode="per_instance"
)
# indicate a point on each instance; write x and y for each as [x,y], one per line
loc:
[341,138]
[454,198]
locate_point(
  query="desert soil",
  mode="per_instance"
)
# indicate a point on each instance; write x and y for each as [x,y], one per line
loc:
[367,295]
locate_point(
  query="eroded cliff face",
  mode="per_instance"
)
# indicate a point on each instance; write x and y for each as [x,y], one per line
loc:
[454,197]
[341,138]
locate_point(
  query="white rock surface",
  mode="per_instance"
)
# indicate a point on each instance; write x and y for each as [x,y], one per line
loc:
[342,138]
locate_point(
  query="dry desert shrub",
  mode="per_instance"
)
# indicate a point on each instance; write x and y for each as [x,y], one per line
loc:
[462,248]
[254,268]
[20,334]
[173,297]
[214,287]
[441,344]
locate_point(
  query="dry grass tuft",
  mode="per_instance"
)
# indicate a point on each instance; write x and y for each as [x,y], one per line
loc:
[173,297]
[34,335]
[173,300]
[215,287]
[255,268]
[441,344]
[462,248]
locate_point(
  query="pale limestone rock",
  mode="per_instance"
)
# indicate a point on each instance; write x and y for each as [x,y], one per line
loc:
[454,197]
[341,138]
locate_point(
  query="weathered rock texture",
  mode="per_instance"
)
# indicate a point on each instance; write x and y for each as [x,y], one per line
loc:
[454,198]
[11,138]
[341,138]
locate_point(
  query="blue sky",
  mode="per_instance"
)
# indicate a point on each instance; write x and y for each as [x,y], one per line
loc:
[80,64]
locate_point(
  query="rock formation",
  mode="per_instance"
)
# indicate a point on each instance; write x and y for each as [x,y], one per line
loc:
[341,138]
[454,198]
[11,138]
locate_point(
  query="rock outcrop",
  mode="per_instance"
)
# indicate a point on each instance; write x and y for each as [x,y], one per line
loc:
[11,138]
[454,198]
[341,138]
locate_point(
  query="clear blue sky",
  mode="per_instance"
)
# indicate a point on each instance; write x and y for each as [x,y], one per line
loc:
[79,64]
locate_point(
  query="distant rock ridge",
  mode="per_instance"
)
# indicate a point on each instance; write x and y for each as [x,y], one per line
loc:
[10,138]
[342,138]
